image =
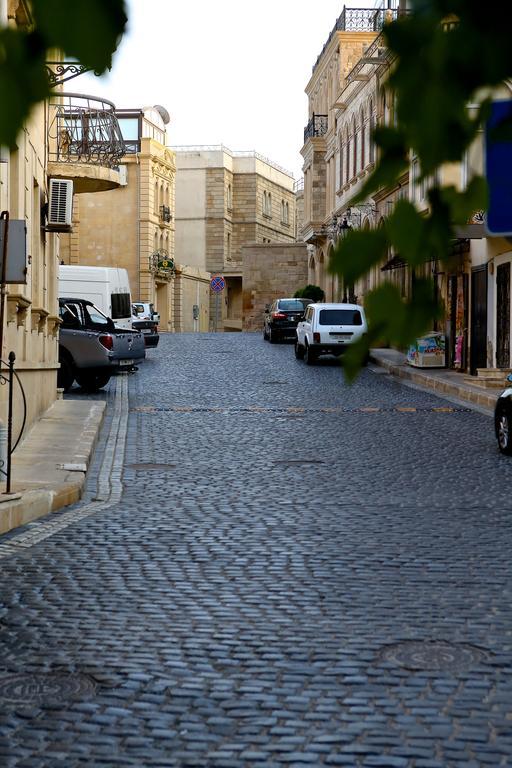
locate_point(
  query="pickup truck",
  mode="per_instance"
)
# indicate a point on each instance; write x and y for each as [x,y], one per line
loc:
[91,348]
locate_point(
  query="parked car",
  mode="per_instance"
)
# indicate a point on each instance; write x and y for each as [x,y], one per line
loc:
[327,329]
[281,318]
[145,311]
[503,420]
[147,326]
[91,348]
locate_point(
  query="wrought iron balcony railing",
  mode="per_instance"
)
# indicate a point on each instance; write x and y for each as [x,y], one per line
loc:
[317,126]
[84,129]
[359,20]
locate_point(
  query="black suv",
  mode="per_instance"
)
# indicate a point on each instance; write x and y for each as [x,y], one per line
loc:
[281,318]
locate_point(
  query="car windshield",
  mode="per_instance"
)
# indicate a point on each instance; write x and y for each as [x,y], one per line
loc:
[340,317]
[291,305]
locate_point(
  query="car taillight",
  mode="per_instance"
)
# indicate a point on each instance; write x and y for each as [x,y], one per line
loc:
[106,341]
[316,338]
[278,316]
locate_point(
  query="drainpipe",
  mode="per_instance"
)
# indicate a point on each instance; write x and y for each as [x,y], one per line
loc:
[138,297]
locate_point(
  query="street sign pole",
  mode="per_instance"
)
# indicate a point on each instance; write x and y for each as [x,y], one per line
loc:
[216,326]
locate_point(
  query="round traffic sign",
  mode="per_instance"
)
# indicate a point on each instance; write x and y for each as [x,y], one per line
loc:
[217,283]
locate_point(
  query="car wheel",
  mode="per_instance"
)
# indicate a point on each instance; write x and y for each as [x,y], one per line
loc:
[299,351]
[265,333]
[503,425]
[91,382]
[310,357]
[272,336]
[65,374]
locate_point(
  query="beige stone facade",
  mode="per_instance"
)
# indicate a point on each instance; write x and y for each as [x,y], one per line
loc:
[31,309]
[270,271]
[133,226]
[347,99]
[225,200]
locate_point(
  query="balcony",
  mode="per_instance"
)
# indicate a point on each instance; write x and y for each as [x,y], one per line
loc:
[317,126]
[85,143]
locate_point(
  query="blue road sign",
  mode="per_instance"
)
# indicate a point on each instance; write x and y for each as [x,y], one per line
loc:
[498,170]
[217,283]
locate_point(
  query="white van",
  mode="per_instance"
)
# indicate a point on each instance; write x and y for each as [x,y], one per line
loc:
[107,287]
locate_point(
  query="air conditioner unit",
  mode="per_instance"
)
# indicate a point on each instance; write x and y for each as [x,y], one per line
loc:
[60,205]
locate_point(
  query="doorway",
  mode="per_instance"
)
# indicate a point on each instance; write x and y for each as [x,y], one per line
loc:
[478,355]
[503,316]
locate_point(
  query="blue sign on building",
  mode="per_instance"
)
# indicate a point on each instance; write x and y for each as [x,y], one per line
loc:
[498,169]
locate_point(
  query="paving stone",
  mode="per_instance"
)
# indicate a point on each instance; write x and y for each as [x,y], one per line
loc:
[237,611]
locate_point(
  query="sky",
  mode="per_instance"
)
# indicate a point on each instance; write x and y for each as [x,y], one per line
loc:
[227,71]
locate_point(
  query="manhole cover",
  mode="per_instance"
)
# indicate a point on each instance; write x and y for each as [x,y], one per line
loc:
[275,382]
[38,688]
[143,467]
[434,655]
[297,462]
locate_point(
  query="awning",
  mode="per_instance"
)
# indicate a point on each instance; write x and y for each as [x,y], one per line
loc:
[458,247]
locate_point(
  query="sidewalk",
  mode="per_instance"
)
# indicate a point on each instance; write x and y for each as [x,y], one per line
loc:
[440,380]
[49,467]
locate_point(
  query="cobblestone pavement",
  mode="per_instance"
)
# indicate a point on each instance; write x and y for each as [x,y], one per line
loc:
[297,573]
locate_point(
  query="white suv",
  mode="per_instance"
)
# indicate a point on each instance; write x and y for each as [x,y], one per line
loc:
[327,329]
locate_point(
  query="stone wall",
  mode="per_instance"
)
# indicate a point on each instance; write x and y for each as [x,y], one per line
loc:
[269,272]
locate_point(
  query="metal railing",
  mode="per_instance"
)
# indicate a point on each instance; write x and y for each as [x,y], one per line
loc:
[317,126]
[299,185]
[359,20]
[84,129]
[222,148]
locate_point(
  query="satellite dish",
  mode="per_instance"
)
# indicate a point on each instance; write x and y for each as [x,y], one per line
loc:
[163,113]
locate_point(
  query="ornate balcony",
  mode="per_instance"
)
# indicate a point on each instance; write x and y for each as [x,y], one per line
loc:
[85,143]
[317,126]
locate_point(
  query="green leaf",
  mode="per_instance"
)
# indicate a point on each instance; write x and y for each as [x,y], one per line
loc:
[88,30]
[23,80]
[406,229]
[357,252]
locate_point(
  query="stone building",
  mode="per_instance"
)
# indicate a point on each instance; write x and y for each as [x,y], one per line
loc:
[52,147]
[347,99]
[224,201]
[338,152]
[270,271]
[133,226]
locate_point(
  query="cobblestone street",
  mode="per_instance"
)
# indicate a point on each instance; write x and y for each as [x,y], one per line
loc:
[279,570]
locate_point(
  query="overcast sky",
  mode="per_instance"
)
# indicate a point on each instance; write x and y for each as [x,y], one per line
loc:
[229,72]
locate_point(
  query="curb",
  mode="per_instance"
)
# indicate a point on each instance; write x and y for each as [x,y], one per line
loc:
[439,386]
[46,463]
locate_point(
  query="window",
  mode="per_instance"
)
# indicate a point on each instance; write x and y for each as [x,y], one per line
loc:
[363,141]
[371,126]
[121,305]
[341,148]
[284,212]
[229,197]
[340,317]
[290,305]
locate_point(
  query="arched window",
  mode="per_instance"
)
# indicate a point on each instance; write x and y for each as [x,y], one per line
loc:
[269,201]
[265,204]
[287,212]
[156,198]
[363,139]
[371,126]
[229,197]
[340,150]
[354,149]
[347,157]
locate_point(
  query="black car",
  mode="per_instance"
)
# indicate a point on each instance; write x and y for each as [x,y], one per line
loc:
[281,318]
[503,420]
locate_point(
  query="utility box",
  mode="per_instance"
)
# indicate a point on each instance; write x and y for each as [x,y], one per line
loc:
[429,351]
[16,267]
